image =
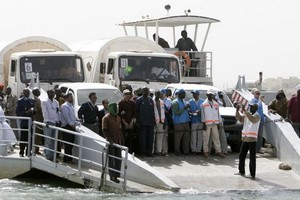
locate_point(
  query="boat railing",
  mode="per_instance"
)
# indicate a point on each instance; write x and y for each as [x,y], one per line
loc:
[22,133]
[82,162]
[200,69]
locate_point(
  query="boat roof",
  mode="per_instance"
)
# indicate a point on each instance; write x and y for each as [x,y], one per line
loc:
[172,21]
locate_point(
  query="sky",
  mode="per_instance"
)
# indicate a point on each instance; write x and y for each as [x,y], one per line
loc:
[253,36]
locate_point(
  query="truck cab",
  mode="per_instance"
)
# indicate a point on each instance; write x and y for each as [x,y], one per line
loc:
[52,67]
[138,69]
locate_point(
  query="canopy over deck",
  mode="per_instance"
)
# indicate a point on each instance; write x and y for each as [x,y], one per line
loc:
[171,22]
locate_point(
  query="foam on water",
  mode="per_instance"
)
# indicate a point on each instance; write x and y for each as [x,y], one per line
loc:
[12,189]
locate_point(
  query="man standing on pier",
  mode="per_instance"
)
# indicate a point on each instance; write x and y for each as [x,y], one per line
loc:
[251,120]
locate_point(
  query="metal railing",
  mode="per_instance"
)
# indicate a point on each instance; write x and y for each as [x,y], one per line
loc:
[18,131]
[82,162]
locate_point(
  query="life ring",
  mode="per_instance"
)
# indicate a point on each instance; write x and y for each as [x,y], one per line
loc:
[186,57]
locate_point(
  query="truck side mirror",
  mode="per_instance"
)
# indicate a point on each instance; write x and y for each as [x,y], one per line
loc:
[102,68]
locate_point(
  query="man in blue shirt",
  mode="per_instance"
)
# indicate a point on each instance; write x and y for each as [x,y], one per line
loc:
[196,141]
[181,121]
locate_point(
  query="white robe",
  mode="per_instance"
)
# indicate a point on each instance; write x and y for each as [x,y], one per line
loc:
[6,133]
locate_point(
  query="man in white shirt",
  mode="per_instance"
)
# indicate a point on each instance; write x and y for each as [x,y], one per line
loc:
[51,114]
[69,122]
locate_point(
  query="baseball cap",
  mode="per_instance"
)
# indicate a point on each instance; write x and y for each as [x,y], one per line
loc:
[126,91]
[180,91]
[195,92]
[210,91]
[163,91]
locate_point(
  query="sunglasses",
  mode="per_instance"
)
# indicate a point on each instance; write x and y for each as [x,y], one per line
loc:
[257,93]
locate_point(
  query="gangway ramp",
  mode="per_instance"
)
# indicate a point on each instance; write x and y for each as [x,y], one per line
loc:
[90,164]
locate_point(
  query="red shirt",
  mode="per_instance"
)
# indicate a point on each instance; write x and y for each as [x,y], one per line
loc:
[294,108]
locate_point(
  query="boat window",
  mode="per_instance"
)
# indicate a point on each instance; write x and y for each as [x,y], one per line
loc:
[52,68]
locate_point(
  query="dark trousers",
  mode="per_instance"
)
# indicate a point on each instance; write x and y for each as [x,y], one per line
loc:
[24,140]
[68,137]
[128,139]
[246,146]
[114,163]
[146,139]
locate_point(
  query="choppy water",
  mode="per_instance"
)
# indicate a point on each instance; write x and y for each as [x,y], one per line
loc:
[20,190]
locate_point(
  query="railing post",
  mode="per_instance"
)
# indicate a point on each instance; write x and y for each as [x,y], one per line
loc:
[80,153]
[33,138]
[55,146]
[125,170]
[29,138]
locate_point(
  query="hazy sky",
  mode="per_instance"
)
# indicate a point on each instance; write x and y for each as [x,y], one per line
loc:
[253,36]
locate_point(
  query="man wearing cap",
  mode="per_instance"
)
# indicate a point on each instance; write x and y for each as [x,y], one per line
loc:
[293,112]
[251,121]
[111,127]
[10,105]
[127,113]
[181,121]
[146,120]
[196,141]
[211,118]
[256,100]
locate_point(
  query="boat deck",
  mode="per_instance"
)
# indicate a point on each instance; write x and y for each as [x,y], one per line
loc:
[201,174]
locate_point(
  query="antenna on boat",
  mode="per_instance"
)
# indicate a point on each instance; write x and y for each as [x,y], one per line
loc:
[167,7]
[187,12]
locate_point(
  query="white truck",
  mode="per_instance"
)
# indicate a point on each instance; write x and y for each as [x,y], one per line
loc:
[128,60]
[46,58]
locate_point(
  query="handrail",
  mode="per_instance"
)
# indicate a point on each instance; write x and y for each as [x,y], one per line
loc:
[19,129]
[99,166]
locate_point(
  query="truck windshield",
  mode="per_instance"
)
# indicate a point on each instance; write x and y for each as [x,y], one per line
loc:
[149,68]
[52,68]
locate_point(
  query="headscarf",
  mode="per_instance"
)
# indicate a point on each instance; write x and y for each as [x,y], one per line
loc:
[113,109]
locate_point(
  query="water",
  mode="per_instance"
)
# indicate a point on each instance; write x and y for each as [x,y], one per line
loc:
[21,190]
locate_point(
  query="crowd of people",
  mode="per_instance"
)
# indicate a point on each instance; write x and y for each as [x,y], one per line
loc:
[148,124]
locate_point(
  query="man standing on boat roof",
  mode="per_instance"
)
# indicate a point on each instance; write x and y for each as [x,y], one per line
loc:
[162,42]
[185,43]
